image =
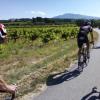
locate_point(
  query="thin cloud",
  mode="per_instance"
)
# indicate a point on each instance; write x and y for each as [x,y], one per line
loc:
[38,13]
[41,13]
[33,12]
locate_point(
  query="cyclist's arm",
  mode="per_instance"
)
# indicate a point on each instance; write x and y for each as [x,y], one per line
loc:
[91,33]
[4,30]
[3,84]
[92,39]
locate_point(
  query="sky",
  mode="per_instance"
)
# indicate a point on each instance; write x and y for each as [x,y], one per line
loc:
[47,8]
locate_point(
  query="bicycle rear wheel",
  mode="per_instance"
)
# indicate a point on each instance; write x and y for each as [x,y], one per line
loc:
[86,57]
[81,62]
[82,57]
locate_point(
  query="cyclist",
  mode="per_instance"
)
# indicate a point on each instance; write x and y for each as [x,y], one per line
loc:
[4,87]
[82,37]
[3,33]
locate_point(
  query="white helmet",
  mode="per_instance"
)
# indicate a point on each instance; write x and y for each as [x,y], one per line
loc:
[2,26]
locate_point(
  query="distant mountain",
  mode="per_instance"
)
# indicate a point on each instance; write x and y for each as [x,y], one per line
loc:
[75,16]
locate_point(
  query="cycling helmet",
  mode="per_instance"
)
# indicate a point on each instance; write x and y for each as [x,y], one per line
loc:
[87,22]
[2,26]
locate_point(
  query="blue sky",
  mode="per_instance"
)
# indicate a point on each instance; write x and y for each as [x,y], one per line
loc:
[47,8]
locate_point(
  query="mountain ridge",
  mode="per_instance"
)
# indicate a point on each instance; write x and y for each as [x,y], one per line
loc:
[75,16]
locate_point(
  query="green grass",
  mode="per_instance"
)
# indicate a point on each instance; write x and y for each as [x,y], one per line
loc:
[50,53]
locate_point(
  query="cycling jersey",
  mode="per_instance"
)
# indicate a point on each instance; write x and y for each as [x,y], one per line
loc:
[2,30]
[2,33]
[83,35]
[84,30]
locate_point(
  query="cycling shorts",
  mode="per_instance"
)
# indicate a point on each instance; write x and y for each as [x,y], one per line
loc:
[82,39]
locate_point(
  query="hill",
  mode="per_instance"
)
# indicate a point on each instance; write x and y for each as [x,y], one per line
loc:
[75,16]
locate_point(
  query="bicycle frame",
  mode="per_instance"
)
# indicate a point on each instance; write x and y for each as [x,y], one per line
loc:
[83,57]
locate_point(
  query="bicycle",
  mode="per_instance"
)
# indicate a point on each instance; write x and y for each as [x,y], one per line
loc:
[93,95]
[83,57]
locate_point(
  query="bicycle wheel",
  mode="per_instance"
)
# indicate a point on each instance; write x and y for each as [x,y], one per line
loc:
[82,57]
[86,57]
[81,62]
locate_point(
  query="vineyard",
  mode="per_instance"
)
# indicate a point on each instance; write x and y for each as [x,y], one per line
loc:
[45,34]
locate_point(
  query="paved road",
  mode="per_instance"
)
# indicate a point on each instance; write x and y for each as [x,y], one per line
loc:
[74,85]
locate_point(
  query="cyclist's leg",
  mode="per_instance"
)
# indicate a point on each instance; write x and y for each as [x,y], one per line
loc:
[79,51]
[88,47]
[80,43]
